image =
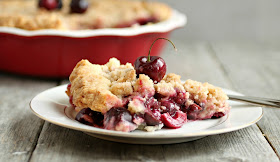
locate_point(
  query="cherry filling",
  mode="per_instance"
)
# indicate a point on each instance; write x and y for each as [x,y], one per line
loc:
[138,119]
[140,21]
[89,117]
[144,21]
[193,110]
[153,114]
[50,4]
[180,98]
[120,119]
[218,115]
[170,106]
[162,109]
[152,117]
[172,111]
[176,121]
[70,97]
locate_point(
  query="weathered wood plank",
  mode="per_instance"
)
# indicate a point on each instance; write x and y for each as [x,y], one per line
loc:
[243,145]
[19,128]
[194,61]
[61,143]
[69,145]
[254,70]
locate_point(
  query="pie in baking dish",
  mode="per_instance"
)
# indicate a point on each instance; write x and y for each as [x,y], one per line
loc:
[98,14]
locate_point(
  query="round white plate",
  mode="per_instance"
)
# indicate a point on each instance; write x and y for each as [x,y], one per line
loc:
[53,106]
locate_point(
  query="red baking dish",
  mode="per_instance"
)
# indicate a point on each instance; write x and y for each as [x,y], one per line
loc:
[54,53]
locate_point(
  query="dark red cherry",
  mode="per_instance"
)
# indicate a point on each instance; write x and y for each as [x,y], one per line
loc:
[153,66]
[50,4]
[193,111]
[90,117]
[152,117]
[194,108]
[176,121]
[144,21]
[180,98]
[151,103]
[170,106]
[138,119]
[78,6]
[218,115]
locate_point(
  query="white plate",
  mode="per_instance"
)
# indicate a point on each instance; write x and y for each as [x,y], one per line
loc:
[53,106]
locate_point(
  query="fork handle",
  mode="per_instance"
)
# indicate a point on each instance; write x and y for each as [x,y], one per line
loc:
[257,100]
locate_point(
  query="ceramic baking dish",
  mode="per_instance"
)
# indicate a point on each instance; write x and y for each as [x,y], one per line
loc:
[54,53]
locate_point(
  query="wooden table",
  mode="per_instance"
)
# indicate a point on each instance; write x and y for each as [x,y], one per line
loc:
[249,68]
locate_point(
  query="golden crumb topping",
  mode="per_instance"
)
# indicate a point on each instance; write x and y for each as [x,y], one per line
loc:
[208,95]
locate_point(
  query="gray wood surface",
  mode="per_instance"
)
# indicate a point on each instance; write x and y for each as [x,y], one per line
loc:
[19,128]
[250,68]
[255,70]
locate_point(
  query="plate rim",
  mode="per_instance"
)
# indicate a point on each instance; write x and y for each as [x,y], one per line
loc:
[150,135]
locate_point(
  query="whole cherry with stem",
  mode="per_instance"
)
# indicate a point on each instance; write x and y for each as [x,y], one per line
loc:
[153,66]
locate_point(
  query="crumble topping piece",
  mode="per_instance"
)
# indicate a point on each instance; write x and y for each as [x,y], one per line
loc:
[201,92]
[165,89]
[116,72]
[170,85]
[171,77]
[136,105]
[144,85]
[122,89]
[113,64]
[123,74]
[90,88]
[211,98]
[93,91]
[153,128]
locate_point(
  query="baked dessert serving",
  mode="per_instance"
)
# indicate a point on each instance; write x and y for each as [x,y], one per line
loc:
[126,97]
[80,14]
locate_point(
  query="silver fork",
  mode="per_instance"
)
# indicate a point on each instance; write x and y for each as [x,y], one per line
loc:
[267,102]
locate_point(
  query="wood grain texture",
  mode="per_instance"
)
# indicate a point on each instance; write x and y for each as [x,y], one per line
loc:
[254,70]
[65,144]
[19,128]
[196,61]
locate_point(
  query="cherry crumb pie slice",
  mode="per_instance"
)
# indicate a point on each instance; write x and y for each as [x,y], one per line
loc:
[115,97]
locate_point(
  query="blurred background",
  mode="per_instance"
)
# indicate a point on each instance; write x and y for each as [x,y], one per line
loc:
[219,20]
[237,22]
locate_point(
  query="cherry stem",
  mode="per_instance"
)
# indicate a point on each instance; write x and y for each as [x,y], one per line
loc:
[149,57]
